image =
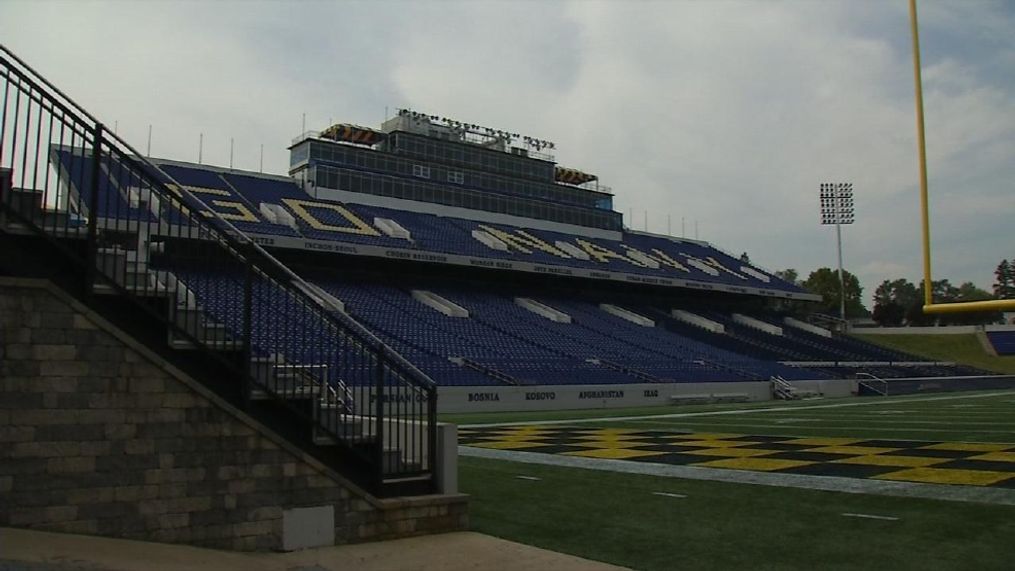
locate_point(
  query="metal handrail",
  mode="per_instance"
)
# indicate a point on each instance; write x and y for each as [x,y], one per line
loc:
[69,118]
[873,377]
[236,238]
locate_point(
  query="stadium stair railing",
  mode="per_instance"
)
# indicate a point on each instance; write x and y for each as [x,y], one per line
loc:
[491,372]
[783,389]
[869,384]
[640,375]
[81,207]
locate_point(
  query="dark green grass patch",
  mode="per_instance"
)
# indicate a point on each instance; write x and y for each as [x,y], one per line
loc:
[954,418]
[964,348]
[935,412]
[541,415]
[619,519]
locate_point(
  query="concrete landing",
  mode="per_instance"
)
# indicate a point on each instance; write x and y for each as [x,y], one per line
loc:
[22,550]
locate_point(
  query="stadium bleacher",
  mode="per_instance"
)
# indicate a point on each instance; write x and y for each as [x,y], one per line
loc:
[501,342]
[1003,341]
[237,197]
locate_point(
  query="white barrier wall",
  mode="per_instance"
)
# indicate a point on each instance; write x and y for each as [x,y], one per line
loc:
[757,324]
[564,397]
[695,319]
[804,326]
[950,330]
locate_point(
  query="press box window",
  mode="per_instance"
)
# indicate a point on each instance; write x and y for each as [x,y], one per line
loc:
[421,171]
[456,177]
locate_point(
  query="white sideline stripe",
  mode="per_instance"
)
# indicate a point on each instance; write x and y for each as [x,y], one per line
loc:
[669,495]
[869,516]
[735,411]
[949,492]
[720,425]
[921,414]
[870,422]
[532,478]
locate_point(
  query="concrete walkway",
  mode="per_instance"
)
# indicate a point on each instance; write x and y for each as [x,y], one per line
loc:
[22,550]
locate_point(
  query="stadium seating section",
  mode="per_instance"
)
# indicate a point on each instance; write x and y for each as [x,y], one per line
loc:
[500,342]
[1003,341]
[238,198]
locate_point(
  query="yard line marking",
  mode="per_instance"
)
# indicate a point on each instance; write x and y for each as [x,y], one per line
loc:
[869,516]
[873,421]
[839,429]
[669,495]
[532,478]
[740,411]
[948,492]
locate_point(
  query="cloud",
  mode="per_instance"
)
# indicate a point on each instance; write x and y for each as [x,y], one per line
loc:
[728,114]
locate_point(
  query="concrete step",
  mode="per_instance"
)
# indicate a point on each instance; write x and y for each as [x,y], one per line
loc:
[26,202]
[294,380]
[196,323]
[322,438]
[342,424]
[157,290]
[228,345]
[293,392]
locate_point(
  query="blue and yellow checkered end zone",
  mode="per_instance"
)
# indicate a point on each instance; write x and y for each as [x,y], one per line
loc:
[963,463]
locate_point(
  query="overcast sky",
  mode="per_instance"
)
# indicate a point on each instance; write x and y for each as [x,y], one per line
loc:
[725,113]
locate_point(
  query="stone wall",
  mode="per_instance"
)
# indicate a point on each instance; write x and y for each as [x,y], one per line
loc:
[100,436]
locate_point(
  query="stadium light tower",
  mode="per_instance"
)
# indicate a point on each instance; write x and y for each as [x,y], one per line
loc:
[837,208]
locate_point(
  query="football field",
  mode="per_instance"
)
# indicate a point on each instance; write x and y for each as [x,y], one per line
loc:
[923,481]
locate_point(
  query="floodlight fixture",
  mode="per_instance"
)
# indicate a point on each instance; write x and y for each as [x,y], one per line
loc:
[836,207]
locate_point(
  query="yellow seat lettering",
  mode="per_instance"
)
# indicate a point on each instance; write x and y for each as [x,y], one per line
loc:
[604,255]
[523,241]
[301,209]
[206,190]
[664,259]
[715,264]
[239,211]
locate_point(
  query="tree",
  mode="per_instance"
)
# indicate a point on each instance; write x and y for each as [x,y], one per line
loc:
[942,291]
[893,301]
[968,291]
[789,274]
[1004,276]
[825,282]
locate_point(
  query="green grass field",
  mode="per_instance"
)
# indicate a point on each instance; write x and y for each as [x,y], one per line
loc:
[965,417]
[622,519]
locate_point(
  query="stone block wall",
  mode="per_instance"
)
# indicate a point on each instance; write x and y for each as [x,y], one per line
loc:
[100,436]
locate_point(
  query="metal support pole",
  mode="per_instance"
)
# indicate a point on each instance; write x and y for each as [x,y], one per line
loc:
[842,277]
[431,403]
[379,394]
[922,147]
[93,210]
[248,329]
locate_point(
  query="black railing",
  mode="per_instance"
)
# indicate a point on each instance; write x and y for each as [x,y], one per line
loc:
[143,240]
